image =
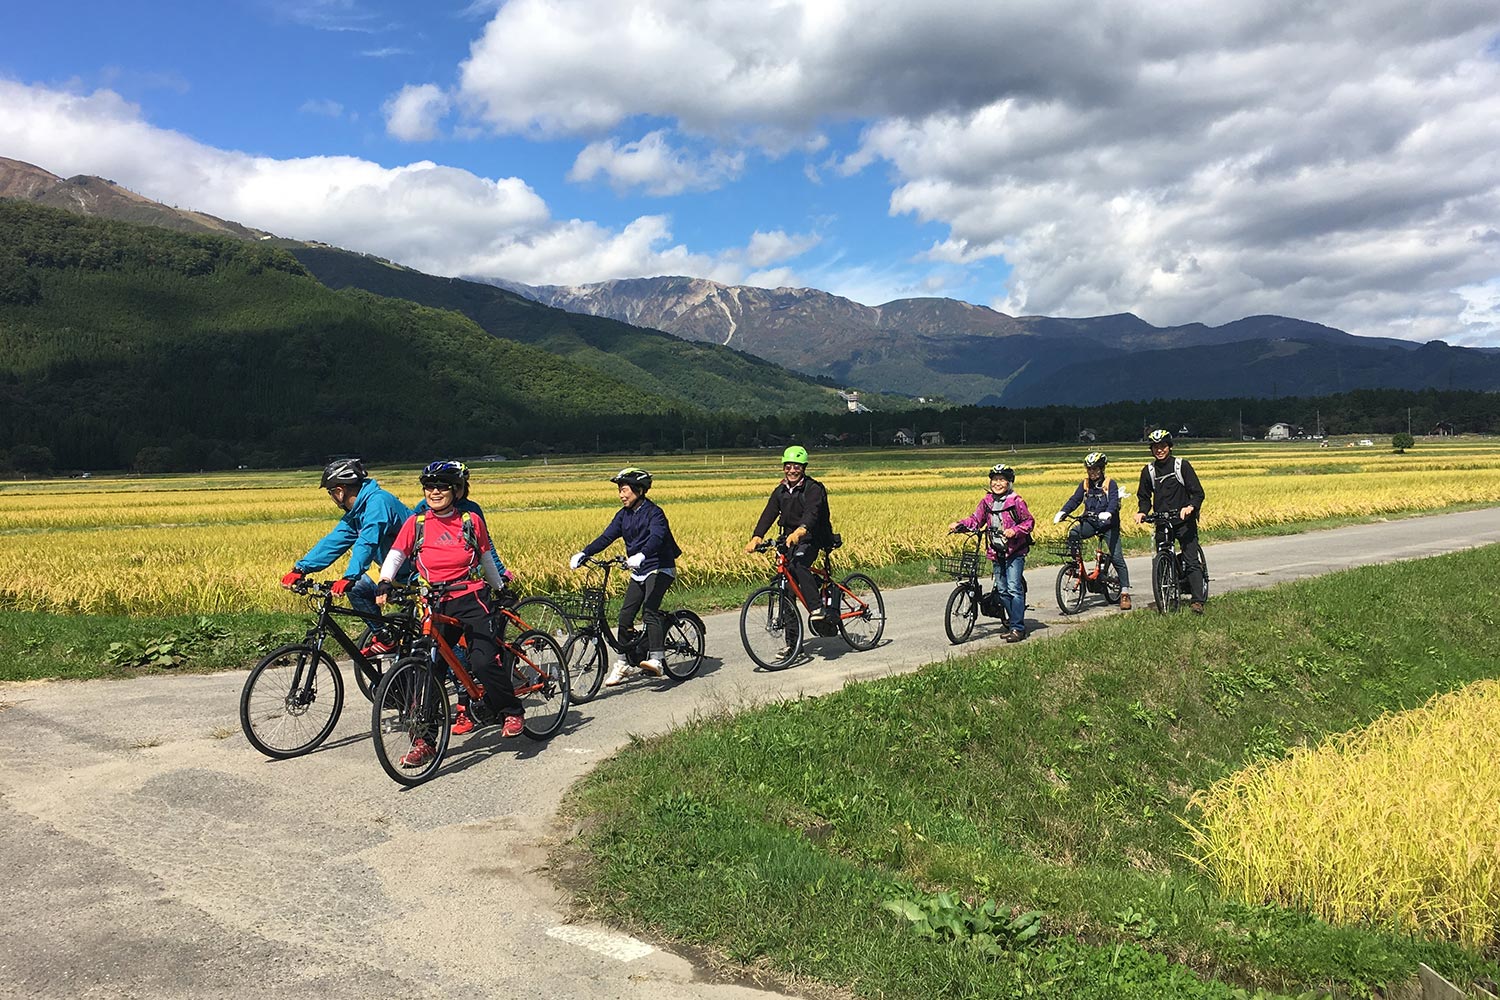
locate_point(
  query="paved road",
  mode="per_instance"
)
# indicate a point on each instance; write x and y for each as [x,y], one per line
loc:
[150,852]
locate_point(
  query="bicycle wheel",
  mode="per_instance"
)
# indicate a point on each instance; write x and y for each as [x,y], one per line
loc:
[1112,586]
[291,701]
[771,628]
[545,615]
[684,645]
[584,655]
[1164,582]
[1070,589]
[361,680]
[541,677]
[962,612]
[861,611]
[411,711]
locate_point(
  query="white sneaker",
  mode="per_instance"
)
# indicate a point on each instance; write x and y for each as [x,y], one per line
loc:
[652,667]
[619,673]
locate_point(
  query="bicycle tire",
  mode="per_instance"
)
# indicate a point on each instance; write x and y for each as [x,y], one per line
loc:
[1070,589]
[279,710]
[542,685]
[771,628]
[1164,582]
[1112,587]
[861,612]
[360,680]
[411,703]
[584,654]
[961,613]
[546,615]
[684,640]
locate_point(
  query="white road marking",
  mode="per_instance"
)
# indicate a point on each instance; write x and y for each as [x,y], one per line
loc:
[607,943]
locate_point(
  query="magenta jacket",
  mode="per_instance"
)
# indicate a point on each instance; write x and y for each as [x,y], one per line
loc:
[1010,513]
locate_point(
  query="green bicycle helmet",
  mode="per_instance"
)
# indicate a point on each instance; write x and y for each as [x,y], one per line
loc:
[796,453]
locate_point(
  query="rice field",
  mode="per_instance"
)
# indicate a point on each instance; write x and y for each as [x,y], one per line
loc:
[211,543]
[1396,824]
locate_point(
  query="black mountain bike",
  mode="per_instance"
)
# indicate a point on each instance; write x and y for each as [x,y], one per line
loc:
[292,699]
[586,653]
[1169,568]
[968,600]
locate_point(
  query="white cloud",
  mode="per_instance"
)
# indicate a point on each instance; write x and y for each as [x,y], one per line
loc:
[776,246]
[438,219]
[1329,161]
[323,106]
[385,52]
[654,166]
[414,113]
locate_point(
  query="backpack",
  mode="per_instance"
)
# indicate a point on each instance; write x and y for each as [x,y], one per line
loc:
[1176,470]
[470,535]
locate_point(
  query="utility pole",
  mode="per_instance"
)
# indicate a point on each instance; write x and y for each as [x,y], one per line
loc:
[1023,433]
[1408,420]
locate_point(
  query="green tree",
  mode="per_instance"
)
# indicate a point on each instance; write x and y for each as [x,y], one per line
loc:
[1402,441]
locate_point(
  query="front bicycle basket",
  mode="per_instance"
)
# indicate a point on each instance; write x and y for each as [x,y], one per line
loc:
[585,605]
[959,565]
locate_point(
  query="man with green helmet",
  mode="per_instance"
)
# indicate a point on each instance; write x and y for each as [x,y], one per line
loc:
[800,504]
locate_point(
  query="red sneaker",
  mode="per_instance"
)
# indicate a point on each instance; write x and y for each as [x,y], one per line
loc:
[379,643]
[463,722]
[513,727]
[420,753]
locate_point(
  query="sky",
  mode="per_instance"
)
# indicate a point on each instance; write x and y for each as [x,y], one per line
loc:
[1188,161]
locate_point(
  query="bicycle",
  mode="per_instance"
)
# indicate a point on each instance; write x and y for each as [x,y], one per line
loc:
[771,626]
[585,653]
[294,695]
[411,703]
[1080,576]
[968,600]
[1169,575]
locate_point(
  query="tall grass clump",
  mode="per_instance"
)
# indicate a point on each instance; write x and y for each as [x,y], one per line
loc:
[1398,823]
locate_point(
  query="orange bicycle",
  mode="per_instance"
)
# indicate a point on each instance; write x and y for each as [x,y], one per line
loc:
[412,701]
[771,626]
[1081,575]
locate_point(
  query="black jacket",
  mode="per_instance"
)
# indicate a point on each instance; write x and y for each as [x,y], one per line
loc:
[1170,495]
[804,505]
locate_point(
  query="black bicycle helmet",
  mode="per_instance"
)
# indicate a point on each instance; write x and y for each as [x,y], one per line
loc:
[343,472]
[637,479]
[1003,471]
[445,473]
[1159,436]
[1095,460]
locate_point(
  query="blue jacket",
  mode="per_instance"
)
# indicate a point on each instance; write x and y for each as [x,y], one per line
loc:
[366,532]
[644,528]
[473,508]
[1097,500]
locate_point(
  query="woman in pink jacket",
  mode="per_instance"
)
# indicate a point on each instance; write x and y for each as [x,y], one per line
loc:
[1005,516]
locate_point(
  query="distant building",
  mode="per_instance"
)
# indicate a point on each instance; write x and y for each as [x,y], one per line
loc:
[851,400]
[1280,432]
[903,436]
[1088,436]
[932,437]
[1441,429]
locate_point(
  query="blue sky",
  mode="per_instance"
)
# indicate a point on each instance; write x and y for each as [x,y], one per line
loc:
[1338,164]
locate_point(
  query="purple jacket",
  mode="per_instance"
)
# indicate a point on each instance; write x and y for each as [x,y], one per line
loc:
[1010,512]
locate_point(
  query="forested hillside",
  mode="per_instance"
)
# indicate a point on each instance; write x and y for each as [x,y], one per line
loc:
[133,346]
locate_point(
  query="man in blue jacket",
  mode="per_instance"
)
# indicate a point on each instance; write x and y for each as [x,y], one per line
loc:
[651,555]
[372,516]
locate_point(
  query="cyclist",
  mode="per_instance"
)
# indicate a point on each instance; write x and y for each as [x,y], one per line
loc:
[448,545]
[372,516]
[651,556]
[465,504]
[800,503]
[1010,524]
[1170,486]
[1101,515]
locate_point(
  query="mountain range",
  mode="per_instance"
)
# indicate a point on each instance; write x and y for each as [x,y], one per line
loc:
[756,350]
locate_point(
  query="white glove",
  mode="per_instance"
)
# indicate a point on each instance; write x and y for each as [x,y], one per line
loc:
[1057,518]
[1105,517]
[577,560]
[636,561]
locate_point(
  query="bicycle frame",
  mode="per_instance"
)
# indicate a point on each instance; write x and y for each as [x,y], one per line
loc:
[326,626]
[1092,578]
[433,621]
[824,573]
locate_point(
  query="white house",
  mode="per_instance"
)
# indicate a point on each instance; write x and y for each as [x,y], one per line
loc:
[1279,432]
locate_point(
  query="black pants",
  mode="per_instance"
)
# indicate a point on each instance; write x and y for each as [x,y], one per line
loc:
[478,629]
[798,561]
[1187,537]
[648,592]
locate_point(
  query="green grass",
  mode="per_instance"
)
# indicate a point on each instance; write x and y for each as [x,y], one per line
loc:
[1048,777]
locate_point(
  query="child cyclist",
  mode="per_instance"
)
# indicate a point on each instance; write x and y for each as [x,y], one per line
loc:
[451,546]
[651,556]
[1010,524]
[1100,497]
